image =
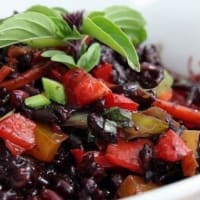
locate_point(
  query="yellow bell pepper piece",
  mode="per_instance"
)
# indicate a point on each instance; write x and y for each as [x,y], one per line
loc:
[47,143]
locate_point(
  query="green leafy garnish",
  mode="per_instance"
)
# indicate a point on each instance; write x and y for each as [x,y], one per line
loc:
[110,34]
[39,28]
[90,58]
[44,10]
[87,61]
[121,116]
[60,10]
[54,90]
[37,101]
[60,56]
[119,27]
[128,19]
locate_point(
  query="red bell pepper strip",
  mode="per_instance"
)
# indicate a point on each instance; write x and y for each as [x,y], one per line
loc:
[119,100]
[180,112]
[14,148]
[103,161]
[18,130]
[98,157]
[78,154]
[171,147]
[126,154]
[82,88]
[4,72]
[25,78]
[104,72]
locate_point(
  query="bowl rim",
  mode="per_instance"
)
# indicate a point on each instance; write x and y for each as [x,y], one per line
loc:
[181,190]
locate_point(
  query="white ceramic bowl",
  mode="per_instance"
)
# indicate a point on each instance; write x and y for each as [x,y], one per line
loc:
[175,25]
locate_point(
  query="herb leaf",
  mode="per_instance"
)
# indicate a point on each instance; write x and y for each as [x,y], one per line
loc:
[60,10]
[87,61]
[108,33]
[44,10]
[90,58]
[128,19]
[121,116]
[60,56]
[36,29]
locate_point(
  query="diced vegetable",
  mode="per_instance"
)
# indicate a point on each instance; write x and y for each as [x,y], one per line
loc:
[189,163]
[18,130]
[119,100]
[144,126]
[47,143]
[133,185]
[103,161]
[103,71]
[54,90]
[157,112]
[78,155]
[180,112]
[25,78]
[78,120]
[82,88]
[98,157]
[121,116]
[37,101]
[126,154]
[191,139]
[161,114]
[163,90]
[14,148]
[166,95]
[171,147]
[4,72]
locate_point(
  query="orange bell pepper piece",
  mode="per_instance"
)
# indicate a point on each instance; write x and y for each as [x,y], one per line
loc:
[47,143]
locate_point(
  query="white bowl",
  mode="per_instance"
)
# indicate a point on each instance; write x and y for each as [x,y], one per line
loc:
[175,25]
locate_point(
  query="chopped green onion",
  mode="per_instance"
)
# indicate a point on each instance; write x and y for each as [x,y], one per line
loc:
[37,101]
[54,90]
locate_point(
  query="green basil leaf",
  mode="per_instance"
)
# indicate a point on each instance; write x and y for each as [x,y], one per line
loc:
[44,10]
[121,116]
[116,12]
[62,28]
[108,33]
[137,36]
[73,35]
[51,53]
[65,59]
[96,14]
[26,27]
[60,56]
[35,29]
[60,10]
[90,58]
[128,19]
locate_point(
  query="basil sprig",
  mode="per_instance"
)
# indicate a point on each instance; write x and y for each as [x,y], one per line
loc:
[118,27]
[129,20]
[88,60]
[39,28]
[110,34]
